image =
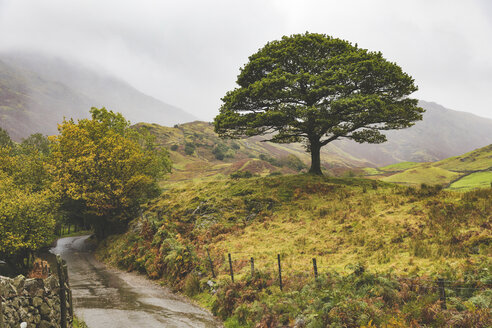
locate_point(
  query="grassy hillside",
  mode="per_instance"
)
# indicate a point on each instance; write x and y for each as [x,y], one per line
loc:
[423,174]
[480,159]
[350,226]
[473,181]
[197,152]
[466,172]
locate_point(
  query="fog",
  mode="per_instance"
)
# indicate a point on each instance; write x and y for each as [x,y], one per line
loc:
[188,53]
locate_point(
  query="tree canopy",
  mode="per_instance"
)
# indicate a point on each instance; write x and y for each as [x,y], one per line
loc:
[26,218]
[315,89]
[5,140]
[27,211]
[106,168]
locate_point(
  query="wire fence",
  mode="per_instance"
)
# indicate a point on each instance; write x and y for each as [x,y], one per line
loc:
[439,285]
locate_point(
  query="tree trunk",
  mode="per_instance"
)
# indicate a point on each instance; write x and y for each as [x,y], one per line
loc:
[314,148]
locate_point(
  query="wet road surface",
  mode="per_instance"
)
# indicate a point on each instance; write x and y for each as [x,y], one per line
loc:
[107,298]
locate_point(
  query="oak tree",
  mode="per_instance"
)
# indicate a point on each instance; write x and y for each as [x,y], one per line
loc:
[315,89]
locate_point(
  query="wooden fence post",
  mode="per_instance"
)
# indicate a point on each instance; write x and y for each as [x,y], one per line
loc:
[252,267]
[315,268]
[1,313]
[230,267]
[211,264]
[279,272]
[63,300]
[442,293]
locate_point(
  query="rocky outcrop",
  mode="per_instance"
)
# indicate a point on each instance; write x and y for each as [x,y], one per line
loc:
[34,301]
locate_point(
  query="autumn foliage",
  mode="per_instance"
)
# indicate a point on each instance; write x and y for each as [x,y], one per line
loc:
[105,168]
[27,213]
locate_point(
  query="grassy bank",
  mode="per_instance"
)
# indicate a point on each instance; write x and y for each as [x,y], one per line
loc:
[369,238]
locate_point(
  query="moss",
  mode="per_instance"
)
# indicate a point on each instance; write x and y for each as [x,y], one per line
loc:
[77,323]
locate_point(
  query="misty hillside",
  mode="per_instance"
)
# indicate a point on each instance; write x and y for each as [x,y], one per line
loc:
[36,92]
[441,134]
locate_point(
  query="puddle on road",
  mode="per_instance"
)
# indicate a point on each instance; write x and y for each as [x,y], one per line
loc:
[106,298]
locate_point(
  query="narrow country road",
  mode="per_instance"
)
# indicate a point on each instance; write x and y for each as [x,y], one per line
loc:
[107,298]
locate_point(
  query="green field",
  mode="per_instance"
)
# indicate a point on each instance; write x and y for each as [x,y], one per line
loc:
[460,173]
[473,181]
[423,174]
[480,159]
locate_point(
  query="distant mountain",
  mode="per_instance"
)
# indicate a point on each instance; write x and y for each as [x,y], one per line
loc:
[441,134]
[37,92]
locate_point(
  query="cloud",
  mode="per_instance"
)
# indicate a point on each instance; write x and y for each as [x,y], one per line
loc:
[188,53]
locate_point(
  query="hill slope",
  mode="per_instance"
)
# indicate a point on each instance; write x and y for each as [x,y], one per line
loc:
[37,92]
[441,134]
[197,152]
[353,227]
[469,171]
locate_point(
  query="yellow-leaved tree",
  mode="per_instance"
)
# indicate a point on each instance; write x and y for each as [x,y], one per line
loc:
[27,206]
[104,170]
[26,218]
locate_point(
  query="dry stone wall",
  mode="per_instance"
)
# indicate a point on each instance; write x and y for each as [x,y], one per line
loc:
[33,301]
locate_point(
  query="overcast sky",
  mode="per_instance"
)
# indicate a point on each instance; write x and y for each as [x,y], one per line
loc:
[188,53]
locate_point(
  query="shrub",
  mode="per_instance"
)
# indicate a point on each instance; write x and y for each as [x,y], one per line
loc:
[189,148]
[293,162]
[222,151]
[241,175]
[178,259]
[191,285]
[270,159]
